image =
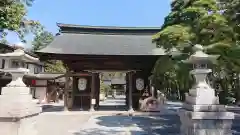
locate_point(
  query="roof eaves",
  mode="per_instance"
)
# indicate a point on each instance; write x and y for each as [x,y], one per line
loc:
[106,27]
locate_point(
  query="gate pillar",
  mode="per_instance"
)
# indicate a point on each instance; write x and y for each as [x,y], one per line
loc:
[137,82]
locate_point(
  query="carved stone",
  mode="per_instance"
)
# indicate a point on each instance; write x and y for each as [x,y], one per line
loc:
[201,114]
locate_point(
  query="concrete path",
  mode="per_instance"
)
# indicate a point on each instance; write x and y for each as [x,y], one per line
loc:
[87,124]
[58,122]
[125,125]
[55,121]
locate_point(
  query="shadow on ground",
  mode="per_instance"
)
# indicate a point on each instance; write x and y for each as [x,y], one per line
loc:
[52,108]
[112,108]
[135,125]
[109,132]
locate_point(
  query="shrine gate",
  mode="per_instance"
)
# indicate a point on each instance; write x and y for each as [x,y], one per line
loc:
[88,50]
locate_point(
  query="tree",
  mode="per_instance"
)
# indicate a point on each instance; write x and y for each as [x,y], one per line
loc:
[55,66]
[40,41]
[13,18]
[232,12]
[230,9]
[194,22]
[4,41]
[104,88]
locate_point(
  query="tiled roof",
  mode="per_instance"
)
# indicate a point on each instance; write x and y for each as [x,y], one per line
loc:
[96,40]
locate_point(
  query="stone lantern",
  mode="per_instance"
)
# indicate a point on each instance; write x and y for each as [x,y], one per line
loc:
[15,64]
[200,61]
[16,104]
[201,112]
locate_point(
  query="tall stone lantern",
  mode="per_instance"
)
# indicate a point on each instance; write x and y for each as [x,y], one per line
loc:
[16,104]
[201,113]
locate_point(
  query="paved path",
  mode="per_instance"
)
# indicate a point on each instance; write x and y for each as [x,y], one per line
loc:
[57,122]
[112,122]
[87,124]
[125,125]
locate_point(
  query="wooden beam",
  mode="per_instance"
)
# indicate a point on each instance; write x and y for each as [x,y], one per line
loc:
[93,90]
[67,79]
[130,75]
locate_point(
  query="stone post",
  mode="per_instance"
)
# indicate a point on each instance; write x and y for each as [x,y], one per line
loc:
[201,113]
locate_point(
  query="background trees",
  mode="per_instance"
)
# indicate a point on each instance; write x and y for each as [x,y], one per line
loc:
[40,41]
[198,22]
[13,18]
[215,25]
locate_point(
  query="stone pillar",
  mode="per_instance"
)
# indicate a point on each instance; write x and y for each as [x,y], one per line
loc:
[201,113]
[130,105]
[17,107]
[93,89]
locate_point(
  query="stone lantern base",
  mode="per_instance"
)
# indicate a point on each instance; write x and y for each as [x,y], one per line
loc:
[16,108]
[205,120]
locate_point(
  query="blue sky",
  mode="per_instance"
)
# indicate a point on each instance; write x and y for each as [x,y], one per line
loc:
[97,12]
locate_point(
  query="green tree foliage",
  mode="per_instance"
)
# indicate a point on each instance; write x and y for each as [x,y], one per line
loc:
[103,87]
[40,41]
[195,22]
[232,12]
[4,41]
[13,18]
[55,66]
